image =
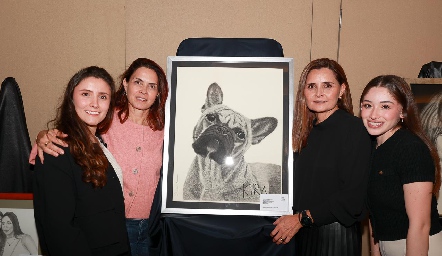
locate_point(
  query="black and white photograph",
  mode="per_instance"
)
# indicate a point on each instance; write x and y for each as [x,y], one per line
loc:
[18,235]
[429,100]
[228,133]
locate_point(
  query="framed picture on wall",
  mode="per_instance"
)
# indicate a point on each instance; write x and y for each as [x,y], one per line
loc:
[227,145]
[428,96]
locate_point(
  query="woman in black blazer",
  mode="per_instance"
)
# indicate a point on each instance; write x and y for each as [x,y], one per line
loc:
[78,198]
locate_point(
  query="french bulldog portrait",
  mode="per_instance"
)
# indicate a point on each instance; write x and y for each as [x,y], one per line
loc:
[220,139]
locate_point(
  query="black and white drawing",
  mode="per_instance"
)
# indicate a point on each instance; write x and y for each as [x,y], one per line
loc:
[429,100]
[220,139]
[18,235]
[227,134]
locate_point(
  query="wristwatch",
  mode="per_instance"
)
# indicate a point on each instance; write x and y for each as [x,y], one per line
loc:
[304,219]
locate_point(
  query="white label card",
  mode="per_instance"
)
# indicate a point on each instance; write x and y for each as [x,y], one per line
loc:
[274,202]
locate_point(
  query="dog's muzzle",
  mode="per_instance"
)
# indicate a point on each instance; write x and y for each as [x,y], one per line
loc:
[216,142]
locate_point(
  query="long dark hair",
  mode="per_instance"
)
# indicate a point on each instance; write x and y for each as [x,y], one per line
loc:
[303,117]
[401,92]
[15,223]
[86,153]
[155,118]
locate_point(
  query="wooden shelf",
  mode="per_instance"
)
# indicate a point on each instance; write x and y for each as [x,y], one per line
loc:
[423,80]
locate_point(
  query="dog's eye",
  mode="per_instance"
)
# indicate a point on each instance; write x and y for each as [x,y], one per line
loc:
[239,133]
[211,117]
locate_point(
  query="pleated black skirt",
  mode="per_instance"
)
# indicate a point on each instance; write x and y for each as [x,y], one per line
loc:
[329,240]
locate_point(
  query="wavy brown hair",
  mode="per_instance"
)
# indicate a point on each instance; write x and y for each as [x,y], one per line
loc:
[87,153]
[155,118]
[303,117]
[401,92]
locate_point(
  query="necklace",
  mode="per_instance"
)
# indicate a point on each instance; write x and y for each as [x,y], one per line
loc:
[10,243]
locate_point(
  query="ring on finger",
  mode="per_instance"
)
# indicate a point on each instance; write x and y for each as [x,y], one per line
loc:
[46,143]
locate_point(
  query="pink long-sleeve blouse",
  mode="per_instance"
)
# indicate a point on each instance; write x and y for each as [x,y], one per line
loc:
[138,150]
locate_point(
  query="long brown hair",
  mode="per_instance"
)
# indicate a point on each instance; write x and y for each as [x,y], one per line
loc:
[401,92]
[15,224]
[303,117]
[155,118]
[86,153]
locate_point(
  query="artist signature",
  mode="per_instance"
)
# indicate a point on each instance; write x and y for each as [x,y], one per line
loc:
[253,190]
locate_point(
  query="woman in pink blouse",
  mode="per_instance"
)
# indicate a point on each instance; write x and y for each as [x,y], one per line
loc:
[135,138]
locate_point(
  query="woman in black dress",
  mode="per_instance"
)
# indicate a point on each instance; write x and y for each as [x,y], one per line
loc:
[332,151]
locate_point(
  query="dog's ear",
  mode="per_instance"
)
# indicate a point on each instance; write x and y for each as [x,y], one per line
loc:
[214,96]
[262,127]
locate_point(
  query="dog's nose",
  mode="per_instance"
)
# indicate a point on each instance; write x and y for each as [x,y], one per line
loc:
[223,130]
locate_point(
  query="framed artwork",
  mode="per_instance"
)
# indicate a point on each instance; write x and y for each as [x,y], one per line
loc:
[18,220]
[227,145]
[428,96]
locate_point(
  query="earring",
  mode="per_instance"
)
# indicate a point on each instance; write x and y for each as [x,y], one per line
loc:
[402,120]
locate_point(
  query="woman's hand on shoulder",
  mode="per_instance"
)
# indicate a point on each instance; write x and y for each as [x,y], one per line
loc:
[45,143]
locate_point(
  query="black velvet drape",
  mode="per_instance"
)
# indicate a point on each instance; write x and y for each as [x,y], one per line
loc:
[15,145]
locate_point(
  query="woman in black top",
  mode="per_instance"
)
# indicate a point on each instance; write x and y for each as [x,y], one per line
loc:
[404,174]
[78,197]
[332,150]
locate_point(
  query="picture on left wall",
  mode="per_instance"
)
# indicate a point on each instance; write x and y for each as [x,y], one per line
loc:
[18,234]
